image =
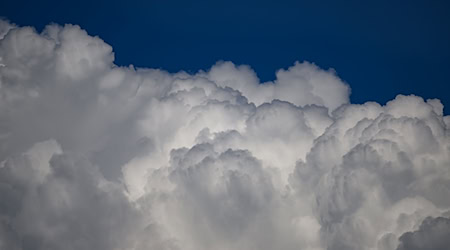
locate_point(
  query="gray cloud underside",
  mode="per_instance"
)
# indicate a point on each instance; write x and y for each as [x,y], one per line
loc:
[433,234]
[96,156]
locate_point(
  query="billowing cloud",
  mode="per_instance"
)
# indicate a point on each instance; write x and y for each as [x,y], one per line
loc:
[97,156]
[432,234]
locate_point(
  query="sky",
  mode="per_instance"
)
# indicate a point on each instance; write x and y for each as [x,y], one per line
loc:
[381,48]
[226,126]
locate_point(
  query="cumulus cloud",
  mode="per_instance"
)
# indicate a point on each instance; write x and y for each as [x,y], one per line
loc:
[97,156]
[432,234]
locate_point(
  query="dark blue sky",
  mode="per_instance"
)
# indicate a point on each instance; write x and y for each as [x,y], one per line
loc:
[381,48]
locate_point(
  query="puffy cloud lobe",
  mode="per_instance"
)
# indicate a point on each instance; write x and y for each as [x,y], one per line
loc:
[51,200]
[301,84]
[432,234]
[96,156]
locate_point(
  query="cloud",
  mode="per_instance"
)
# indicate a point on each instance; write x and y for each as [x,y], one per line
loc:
[97,156]
[432,234]
[60,201]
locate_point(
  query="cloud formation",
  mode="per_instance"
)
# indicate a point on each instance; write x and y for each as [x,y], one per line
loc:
[97,156]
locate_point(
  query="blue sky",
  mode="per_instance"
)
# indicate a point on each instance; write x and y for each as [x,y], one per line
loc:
[381,48]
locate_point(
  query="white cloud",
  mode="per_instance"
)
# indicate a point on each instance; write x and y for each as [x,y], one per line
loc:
[96,156]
